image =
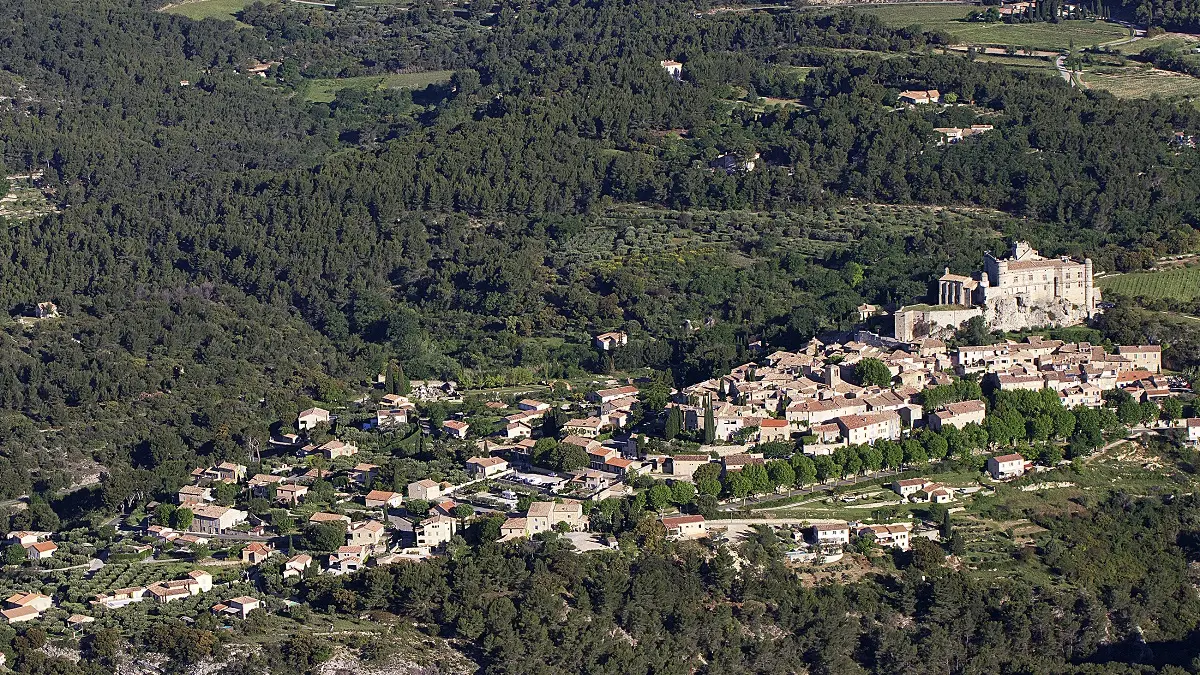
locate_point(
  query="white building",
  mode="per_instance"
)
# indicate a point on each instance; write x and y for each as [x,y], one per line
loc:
[1004,467]
[858,429]
[961,414]
[310,418]
[486,467]
[435,531]
[426,490]
[831,534]
[888,536]
[685,527]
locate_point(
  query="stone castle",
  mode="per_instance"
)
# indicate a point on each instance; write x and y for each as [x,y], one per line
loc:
[1023,290]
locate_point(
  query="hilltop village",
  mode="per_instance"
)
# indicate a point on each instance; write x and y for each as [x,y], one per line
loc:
[328,497]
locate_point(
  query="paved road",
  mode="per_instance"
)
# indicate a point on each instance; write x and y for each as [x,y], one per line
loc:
[824,487]
[773,521]
[1060,63]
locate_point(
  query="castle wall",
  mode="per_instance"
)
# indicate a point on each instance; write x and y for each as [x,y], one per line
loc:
[916,324]
[1023,291]
[1042,283]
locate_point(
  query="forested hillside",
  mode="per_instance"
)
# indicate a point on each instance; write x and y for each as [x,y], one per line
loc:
[226,250]
[454,227]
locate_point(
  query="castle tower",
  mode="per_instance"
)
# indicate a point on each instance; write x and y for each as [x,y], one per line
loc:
[833,375]
[1022,250]
[1089,289]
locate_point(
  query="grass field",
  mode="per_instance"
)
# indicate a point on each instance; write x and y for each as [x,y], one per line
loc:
[949,17]
[1170,40]
[1135,82]
[323,91]
[1182,283]
[208,9]
[1018,62]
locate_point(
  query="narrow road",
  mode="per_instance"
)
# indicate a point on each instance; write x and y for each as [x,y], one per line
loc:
[1060,63]
[811,489]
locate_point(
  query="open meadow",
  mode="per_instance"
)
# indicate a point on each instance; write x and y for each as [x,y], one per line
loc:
[323,91]
[951,18]
[225,10]
[1143,82]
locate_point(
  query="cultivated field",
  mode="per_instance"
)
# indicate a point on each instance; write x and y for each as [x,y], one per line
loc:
[208,9]
[323,91]
[1018,62]
[1170,40]
[1138,82]
[950,18]
[1182,283]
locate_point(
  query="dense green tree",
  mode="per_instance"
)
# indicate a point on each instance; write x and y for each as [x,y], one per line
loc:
[872,372]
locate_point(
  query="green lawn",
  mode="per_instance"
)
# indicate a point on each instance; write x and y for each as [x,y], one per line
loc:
[323,91]
[1182,283]
[225,10]
[949,17]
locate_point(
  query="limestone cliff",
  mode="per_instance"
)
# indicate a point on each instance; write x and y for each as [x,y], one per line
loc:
[1015,313]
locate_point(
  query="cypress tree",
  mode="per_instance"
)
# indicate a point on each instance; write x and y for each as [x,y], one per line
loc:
[391,384]
[403,386]
[674,423]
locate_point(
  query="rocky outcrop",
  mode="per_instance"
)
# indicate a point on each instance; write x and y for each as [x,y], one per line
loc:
[1015,313]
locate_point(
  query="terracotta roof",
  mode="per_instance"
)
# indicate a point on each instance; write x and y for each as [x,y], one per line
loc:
[1127,349]
[486,461]
[965,407]
[860,421]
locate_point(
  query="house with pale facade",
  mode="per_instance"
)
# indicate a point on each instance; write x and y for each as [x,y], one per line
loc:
[240,606]
[310,418]
[772,430]
[910,486]
[1192,425]
[216,519]
[380,498]
[1004,467]
[435,531]
[486,467]
[456,429]
[543,516]
[256,553]
[296,565]
[1143,357]
[685,527]
[830,534]
[871,427]
[335,449]
[370,534]
[960,414]
[427,490]
[681,467]
[888,536]
[42,550]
